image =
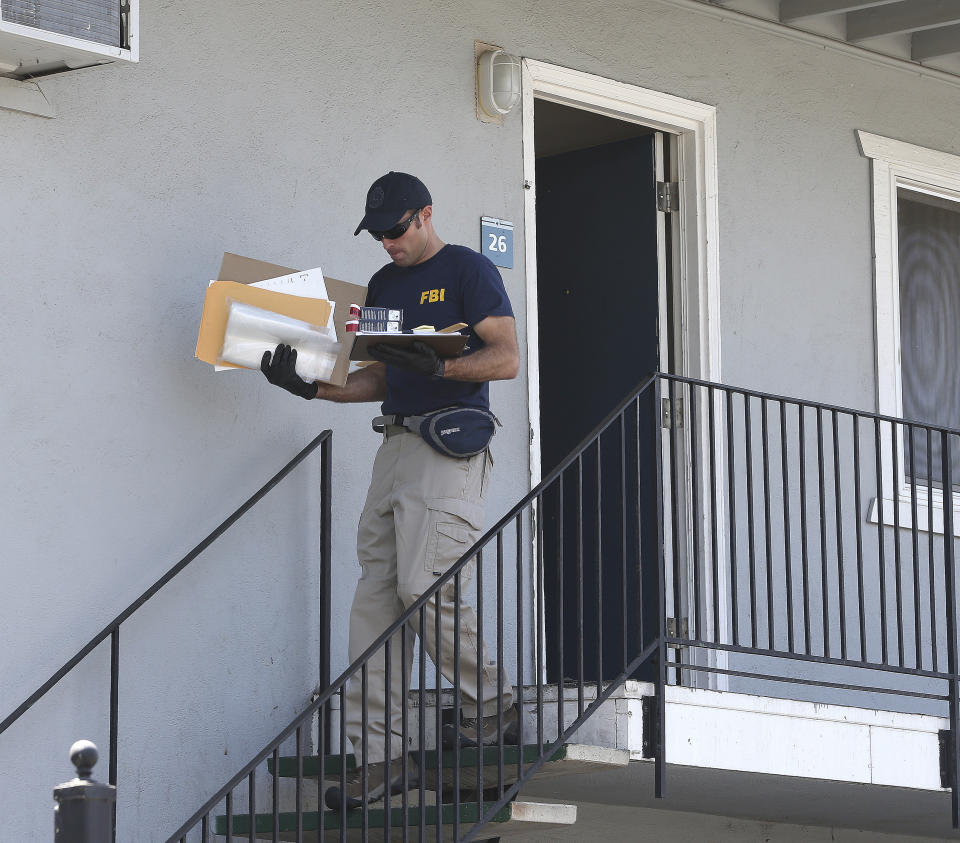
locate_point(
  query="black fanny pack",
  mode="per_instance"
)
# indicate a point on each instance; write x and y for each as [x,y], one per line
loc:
[453,431]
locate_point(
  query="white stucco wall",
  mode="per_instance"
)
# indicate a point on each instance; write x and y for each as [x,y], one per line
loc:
[257,130]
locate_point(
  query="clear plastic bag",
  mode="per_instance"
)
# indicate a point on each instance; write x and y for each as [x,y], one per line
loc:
[252,330]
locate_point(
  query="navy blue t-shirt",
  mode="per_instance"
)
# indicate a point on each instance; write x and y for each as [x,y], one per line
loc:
[456,285]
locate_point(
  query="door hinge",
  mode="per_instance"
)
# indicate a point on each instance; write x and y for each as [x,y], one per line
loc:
[668,196]
[667,414]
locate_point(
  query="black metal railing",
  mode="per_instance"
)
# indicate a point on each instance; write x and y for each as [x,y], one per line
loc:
[811,545]
[475,787]
[112,629]
[700,530]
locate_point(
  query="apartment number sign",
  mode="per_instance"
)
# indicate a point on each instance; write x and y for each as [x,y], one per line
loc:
[496,241]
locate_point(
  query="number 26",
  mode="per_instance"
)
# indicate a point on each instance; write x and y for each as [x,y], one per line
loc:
[497,243]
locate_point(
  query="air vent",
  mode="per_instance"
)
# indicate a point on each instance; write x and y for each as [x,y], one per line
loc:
[39,37]
[91,20]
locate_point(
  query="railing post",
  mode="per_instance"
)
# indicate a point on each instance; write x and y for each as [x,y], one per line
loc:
[84,809]
[114,718]
[950,581]
[326,457]
[661,680]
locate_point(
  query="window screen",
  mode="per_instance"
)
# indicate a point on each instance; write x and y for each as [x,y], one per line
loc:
[929,239]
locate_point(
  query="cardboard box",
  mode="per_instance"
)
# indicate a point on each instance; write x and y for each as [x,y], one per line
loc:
[244,271]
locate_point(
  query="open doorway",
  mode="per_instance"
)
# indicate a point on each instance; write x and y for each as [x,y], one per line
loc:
[592,111]
[600,271]
[597,268]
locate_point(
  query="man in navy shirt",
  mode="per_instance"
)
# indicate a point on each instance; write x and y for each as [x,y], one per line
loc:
[423,510]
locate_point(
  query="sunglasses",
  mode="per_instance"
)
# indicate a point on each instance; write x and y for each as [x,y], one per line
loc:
[398,230]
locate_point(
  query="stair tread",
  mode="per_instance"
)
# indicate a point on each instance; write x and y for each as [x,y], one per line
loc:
[564,755]
[525,814]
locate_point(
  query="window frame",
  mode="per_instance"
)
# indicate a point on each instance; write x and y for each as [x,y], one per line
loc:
[897,164]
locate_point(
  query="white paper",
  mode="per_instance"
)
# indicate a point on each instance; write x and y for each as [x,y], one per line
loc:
[309,284]
[252,330]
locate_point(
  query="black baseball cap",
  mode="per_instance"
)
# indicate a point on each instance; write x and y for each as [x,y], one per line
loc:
[389,197]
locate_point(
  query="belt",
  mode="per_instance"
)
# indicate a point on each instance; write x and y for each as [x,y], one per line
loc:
[383,424]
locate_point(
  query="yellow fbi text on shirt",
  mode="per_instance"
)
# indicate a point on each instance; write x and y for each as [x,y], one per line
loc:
[432,295]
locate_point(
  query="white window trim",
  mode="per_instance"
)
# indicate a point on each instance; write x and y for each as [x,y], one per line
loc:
[896,164]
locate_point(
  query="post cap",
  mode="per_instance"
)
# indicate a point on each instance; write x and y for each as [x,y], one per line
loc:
[84,755]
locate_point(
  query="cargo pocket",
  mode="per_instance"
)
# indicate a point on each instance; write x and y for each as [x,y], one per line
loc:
[453,526]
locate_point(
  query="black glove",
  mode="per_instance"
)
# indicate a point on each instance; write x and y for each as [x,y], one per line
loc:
[280,371]
[419,358]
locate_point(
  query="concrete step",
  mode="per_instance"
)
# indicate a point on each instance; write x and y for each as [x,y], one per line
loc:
[566,759]
[514,819]
[478,769]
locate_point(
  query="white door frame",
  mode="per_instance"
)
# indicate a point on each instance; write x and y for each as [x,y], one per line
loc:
[697,291]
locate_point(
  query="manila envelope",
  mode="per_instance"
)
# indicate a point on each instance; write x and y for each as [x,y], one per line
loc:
[342,295]
[216,308]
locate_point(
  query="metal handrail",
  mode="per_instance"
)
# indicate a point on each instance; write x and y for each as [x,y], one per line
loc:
[718,454]
[806,402]
[112,629]
[402,624]
[776,508]
[837,447]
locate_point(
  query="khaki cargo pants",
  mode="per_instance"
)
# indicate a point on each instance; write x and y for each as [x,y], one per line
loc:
[423,511]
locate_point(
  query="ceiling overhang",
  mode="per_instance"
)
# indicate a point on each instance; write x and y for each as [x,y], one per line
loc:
[925,33]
